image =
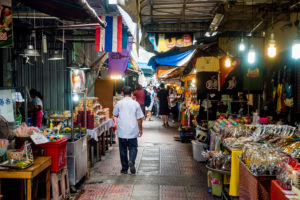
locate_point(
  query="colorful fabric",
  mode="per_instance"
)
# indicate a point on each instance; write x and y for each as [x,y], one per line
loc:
[110,39]
[234,179]
[38,118]
[176,58]
[118,61]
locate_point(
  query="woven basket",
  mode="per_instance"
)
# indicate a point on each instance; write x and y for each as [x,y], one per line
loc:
[15,155]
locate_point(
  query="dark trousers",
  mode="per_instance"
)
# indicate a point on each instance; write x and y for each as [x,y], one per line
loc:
[126,145]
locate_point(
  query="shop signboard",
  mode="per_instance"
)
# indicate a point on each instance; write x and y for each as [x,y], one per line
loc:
[169,41]
[6,32]
[6,105]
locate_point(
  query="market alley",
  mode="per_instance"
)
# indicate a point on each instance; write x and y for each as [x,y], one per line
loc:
[165,170]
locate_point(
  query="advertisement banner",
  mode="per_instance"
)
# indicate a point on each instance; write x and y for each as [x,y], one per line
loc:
[169,41]
[6,105]
[6,26]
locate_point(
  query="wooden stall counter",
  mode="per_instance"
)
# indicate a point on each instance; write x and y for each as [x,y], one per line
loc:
[40,164]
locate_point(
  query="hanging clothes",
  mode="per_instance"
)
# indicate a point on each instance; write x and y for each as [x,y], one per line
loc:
[283,106]
[279,96]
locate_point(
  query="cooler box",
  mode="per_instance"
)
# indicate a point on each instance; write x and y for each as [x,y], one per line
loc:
[198,148]
[58,151]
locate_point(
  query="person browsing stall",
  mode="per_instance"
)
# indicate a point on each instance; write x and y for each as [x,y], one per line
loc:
[38,107]
[130,119]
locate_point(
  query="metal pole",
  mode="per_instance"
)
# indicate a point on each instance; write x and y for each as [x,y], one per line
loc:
[85,111]
[71,108]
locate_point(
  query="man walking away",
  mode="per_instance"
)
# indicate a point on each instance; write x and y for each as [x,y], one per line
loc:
[130,119]
[163,97]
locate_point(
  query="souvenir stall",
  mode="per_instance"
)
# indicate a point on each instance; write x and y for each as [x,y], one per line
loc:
[253,155]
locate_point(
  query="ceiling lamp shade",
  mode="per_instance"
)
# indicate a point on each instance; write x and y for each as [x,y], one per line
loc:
[30,51]
[56,56]
[272,48]
[84,67]
[74,65]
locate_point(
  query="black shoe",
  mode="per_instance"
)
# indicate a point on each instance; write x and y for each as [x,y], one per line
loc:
[167,124]
[132,168]
[124,171]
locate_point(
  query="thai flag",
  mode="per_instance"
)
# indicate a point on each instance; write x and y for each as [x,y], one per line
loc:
[110,38]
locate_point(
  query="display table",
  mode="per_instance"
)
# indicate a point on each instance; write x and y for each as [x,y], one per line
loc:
[40,164]
[278,193]
[98,131]
[103,135]
[254,187]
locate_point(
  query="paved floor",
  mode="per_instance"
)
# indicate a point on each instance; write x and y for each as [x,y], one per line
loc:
[165,171]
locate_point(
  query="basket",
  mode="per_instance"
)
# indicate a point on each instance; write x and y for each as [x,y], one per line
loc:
[14,154]
[58,151]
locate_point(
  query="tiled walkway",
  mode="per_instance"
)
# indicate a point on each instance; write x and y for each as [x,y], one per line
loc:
[165,171]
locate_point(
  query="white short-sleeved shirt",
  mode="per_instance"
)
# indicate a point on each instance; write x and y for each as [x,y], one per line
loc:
[37,102]
[128,111]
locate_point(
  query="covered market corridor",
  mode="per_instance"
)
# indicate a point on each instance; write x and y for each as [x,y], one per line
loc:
[165,170]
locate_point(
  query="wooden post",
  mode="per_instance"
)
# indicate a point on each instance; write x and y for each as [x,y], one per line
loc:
[48,184]
[28,189]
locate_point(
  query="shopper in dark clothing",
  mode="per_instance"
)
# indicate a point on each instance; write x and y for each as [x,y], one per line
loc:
[164,101]
[139,95]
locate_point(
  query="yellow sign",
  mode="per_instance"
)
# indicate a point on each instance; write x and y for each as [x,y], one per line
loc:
[167,44]
[207,64]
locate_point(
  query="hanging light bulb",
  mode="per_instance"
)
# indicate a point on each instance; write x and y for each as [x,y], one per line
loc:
[242,46]
[272,48]
[195,71]
[251,55]
[296,49]
[228,61]
[76,98]
[194,81]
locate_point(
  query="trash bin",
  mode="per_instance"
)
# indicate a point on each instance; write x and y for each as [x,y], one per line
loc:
[198,148]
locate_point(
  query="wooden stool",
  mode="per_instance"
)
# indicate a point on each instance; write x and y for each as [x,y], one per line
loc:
[60,184]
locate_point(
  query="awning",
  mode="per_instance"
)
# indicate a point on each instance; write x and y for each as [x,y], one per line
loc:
[176,58]
[72,10]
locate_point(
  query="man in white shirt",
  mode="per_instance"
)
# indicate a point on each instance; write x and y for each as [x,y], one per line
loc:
[130,118]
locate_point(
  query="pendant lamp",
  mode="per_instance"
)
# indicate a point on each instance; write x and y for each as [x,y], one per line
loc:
[30,51]
[56,56]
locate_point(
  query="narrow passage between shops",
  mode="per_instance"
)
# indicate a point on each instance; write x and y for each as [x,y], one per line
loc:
[165,170]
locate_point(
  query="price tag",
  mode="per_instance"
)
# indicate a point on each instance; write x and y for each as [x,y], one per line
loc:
[38,138]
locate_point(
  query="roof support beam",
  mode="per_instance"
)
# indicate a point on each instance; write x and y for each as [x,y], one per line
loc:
[204,16]
[183,10]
